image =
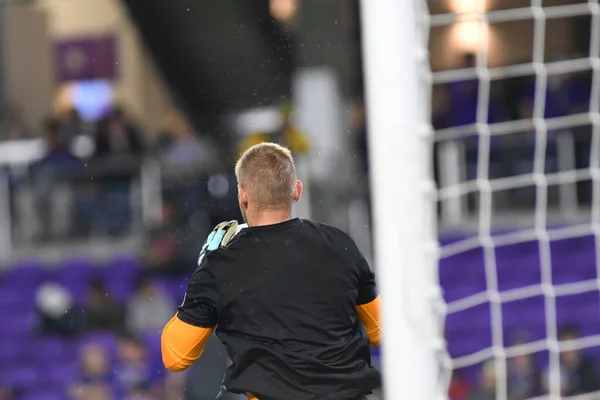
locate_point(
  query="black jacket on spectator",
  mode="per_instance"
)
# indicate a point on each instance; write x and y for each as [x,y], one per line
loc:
[584,379]
[132,143]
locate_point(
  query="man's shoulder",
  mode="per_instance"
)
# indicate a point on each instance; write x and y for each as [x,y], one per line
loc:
[329,230]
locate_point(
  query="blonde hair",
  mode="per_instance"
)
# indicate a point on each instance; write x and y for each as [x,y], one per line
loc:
[268,174]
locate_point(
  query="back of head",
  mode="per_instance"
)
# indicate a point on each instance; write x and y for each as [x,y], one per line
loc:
[52,130]
[266,172]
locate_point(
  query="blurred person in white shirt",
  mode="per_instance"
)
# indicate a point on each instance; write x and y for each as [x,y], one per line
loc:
[149,309]
[185,146]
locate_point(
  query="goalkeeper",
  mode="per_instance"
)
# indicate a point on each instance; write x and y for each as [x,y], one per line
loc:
[293,301]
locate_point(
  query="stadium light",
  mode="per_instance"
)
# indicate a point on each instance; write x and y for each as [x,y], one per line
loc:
[468,36]
[283,10]
[468,6]
[471,33]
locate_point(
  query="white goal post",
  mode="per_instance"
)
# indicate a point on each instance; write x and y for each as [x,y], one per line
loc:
[398,84]
[400,148]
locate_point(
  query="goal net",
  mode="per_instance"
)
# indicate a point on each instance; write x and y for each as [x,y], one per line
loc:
[497,102]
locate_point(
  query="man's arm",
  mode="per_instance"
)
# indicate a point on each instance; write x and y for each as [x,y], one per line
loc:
[368,314]
[185,335]
[368,301]
[182,344]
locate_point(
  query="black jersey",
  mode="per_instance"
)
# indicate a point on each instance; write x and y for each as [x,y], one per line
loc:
[283,299]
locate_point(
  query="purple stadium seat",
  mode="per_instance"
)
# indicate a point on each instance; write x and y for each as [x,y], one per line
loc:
[46,351]
[511,274]
[23,278]
[120,276]
[130,260]
[461,275]
[9,300]
[60,374]
[572,260]
[45,394]
[173,287]
[75,275]
[10,352]
[17,324]
[20,376]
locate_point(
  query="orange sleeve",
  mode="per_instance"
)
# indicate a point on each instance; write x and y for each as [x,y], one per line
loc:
[182,344]
[368,314]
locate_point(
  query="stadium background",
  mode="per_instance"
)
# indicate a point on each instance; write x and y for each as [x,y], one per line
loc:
[120,123]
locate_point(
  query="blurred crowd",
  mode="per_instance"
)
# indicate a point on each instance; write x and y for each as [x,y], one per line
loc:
[529,376]
[99,160]
[456,104]
[93,333]
[131,374]
[114,319]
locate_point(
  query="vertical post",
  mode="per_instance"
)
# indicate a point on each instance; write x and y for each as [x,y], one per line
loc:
[401,207]
[567,191]
[449,168]
[151,192]
[6,226]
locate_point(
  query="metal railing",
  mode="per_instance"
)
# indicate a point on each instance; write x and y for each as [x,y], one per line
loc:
[82,203]
[458,186]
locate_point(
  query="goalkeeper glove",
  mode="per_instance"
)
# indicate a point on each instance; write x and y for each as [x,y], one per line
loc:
[220,236]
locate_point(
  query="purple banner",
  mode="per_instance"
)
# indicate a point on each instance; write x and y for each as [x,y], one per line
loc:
[87,59]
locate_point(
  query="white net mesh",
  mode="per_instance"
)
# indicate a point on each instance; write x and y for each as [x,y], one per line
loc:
[521,186]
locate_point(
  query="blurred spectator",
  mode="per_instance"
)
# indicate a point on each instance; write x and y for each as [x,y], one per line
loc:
[94,382]
[6,393]
[56,151]
[117,136]
[556,100]
[185,146]
[71,127]
[459,388]
[578,372]
[15,127]
[287,135]
[168,246]
[101,312]
[49,171]
[523,379]
[358,124]
[486,389]
[149,309]
[56,315]
[175,386]
[512,91]
[133,374]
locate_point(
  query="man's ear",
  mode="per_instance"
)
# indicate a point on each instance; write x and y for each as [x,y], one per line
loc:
[298,193]
[242,195]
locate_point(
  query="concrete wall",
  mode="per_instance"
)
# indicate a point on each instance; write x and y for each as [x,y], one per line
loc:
[27,61]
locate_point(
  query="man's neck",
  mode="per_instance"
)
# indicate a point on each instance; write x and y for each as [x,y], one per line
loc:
[267,217]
